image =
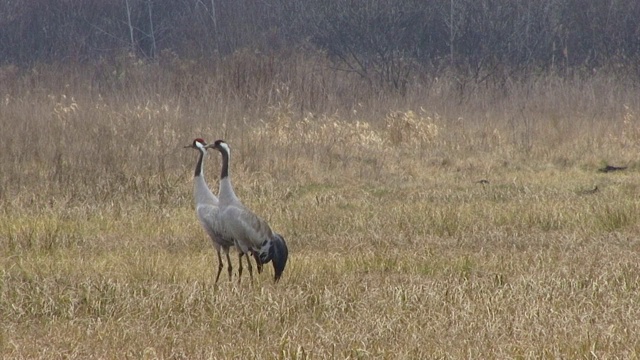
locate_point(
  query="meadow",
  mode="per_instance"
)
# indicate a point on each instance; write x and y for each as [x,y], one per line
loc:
[444,222]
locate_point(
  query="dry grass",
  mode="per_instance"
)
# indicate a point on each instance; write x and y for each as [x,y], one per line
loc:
[396,250]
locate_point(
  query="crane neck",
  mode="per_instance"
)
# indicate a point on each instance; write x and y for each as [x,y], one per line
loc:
[201,191]
[226,193]
[198,171]
[225,164]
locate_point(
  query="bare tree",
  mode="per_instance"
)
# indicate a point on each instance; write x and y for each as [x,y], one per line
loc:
[130,24]
[152,34]
[376,40]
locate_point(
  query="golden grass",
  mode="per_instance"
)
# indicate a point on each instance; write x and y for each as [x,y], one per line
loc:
[396,249]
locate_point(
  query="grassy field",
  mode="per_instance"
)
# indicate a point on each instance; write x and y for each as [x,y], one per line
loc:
[398,250]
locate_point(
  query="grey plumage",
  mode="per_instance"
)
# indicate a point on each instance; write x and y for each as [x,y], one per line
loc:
[206,205]
[252,235]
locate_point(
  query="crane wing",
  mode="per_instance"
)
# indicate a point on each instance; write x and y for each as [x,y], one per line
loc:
[245,226]
[208,216]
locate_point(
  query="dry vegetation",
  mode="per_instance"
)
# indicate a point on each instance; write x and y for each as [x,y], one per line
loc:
[396,250]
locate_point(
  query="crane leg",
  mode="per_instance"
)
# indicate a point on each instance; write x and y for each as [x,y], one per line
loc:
[220,266]
[250,267]
[258,263]
[239,267]
[229,265]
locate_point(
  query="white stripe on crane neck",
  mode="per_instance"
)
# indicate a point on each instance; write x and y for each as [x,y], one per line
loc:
[226,148]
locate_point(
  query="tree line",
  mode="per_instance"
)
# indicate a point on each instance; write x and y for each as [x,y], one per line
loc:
[384,41]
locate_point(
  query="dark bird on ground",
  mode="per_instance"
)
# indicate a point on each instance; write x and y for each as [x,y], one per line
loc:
[610,168]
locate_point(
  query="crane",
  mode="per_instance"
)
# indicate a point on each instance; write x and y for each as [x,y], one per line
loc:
[207,209]
[252,235]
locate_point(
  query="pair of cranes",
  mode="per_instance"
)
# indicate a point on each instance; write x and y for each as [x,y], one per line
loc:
[229,223]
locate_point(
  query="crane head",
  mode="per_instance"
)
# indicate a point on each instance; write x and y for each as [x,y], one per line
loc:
[198,143]
[276,251]
[219,145]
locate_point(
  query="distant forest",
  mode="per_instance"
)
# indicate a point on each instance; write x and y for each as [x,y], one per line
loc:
[382,40]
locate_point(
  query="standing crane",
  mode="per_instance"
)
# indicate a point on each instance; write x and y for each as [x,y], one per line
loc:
[252,235]
[207,208]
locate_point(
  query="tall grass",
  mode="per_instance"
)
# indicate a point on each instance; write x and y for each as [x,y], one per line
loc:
[397,250]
